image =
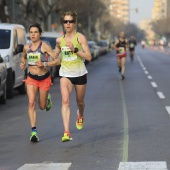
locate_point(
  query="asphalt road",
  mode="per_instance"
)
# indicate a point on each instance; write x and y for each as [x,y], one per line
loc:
[125,121]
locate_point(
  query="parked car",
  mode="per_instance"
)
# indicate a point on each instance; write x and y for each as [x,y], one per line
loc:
[12,41]
[104,47]
[94,49]
[3,77]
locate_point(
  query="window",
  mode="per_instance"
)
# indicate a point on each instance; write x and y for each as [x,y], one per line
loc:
[50,40]
[5,39]
[21,36]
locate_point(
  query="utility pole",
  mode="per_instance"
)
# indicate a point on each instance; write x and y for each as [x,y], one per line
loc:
[13,11]
[89,26]
[49,17]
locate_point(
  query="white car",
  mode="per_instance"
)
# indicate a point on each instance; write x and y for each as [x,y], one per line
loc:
[94,49]
[3,77]
[12,41]
[103,46]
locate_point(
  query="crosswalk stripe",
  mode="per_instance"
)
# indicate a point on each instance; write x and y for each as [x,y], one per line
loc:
[142,166]
[46,166]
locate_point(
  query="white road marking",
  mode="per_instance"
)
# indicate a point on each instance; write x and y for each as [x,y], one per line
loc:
[144,68]
[46,166]
[143,166]
[168,109]
[161,95]
[149,77]
[146,72]
[154,84]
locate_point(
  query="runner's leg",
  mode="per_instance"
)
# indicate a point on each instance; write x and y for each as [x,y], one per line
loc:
[80,94]
[43,99]
[32,91]
[119,64]
[66,89]
[123,60]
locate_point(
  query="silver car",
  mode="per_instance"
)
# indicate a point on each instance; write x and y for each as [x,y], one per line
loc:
[3,77]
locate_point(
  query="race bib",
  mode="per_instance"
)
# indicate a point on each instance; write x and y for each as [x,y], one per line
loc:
[131,45]
[33,58]
[67,54]
[121,50]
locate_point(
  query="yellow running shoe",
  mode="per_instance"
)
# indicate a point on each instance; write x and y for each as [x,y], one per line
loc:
[34,137]
[79,121]
[67,137]
[49,103]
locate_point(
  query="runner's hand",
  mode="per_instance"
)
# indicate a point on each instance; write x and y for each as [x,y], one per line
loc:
[70,45]
[22,66]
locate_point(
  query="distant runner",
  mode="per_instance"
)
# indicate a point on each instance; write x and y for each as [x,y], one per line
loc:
[143,43]
[121,47]
[132,44]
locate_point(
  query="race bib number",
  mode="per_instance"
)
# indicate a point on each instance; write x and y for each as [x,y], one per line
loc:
[67,54]
[121,50]
[131,45]
[33,58]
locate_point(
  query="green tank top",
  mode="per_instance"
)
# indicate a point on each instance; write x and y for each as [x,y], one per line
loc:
[72,65]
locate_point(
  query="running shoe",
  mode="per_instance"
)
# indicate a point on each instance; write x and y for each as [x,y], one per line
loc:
[34,137]
[132,59]
[123,77]
[49,103]
[67,137]
[120,69]
[119,72]
[79,121]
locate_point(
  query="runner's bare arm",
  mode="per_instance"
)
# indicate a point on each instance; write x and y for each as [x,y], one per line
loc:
[86,54]
[127,44]
[55,62]
[24,58]
[57,47]
[115,45]
[48,51]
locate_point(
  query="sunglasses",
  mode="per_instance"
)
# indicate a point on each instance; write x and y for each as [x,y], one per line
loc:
[68,21]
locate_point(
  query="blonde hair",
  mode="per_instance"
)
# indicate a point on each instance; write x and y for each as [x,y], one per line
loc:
[71,13]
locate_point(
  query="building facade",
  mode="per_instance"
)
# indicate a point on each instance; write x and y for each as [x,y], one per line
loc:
[119,9]
[161,9]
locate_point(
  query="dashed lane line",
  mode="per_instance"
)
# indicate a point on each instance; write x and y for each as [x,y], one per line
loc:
[146,72]
[154,84]
[168,109]
[149,77]
[160,95]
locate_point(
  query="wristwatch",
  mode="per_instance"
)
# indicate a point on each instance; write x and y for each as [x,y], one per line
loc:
[76,50]
[45,64]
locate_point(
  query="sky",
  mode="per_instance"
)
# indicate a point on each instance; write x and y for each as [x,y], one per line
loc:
[144,10]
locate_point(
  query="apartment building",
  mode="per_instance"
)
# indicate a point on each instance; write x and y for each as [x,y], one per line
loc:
[161,9]
[119,9]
